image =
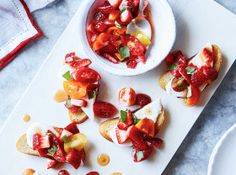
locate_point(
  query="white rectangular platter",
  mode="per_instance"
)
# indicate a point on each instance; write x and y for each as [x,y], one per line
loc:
[198,21]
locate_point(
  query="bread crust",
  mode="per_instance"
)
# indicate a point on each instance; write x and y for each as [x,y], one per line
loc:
[23,147]
[78,117]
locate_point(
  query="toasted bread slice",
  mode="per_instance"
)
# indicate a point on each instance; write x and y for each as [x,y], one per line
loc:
[166,77]
[106,126]
[22,146]
[78,117]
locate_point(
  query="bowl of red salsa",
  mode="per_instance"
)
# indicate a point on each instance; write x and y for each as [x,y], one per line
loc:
[108,43]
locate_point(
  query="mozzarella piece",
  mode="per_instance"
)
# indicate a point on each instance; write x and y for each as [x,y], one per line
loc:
[88,110]
[37,128]
[170,90]
[150,111]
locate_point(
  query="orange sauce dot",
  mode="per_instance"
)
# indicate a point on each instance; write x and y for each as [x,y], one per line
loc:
[103,159]
[26,118]
[60,96]
[28,171]
[116,173]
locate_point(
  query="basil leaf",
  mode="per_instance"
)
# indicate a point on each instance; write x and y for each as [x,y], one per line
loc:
[68,104]
[124,52]
[65,139]
[140,155]
[135,119]
[123,8]
[190,70]
[118,24]
[173,66]
[123,116]
[67,75]
[52,150]
[92,94]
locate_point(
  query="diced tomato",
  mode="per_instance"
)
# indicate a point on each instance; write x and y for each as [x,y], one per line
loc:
[100,26]
[91,29]
[108,22]
[110,58]
[93,173]
[198,78]
[137,138]
[127,96]
[110,49]
[82,63]
[99,16]
[74,158]
[209,72]
[72,127]
[75,89]
[147,126]
[104,109]
[105,9]
[142,100]
[136,48]
[173,57]
[131,63]
[51,163]
[87,75]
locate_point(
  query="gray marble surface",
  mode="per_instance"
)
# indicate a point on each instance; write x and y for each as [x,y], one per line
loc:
[193,155]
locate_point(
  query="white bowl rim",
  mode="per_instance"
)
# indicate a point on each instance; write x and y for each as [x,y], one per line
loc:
[98,59]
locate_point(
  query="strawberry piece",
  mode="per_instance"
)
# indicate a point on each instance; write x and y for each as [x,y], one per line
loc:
[147,126]
[207,55]
[65,133]
[142,100]
[198,78]
[104,109]
[115,3]
[51,163]
[210,73]
[121,135]
[136,48]
[110,58]
[142,155]
[110,49]
[126,16]
[99,16]
[79,102]
[72,128]
[127,96]
[93,173]
[40,142]
[131,63]
[100,26]
[82,63]
[156,142]
[137,138]
[129,121]
[105,9]
[74,158]
[114,15]
[63,172]
[69,58]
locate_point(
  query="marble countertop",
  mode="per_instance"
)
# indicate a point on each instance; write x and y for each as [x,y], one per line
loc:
[193,154]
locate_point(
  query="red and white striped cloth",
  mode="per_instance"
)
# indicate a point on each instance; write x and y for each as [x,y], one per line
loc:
[17,27]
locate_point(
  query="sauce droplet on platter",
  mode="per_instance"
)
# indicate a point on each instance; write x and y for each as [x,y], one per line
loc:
[116,173]
[60,96]
[26,118]
[28,171]
[103,159]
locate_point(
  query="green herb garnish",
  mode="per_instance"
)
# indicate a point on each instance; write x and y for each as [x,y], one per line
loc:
[124,52]
[123,8]
[68,104]
[123,116]
[67,75]
[65,139]
[140,155]
[173,66]
[118,24]
[92,94]
[52,150]
[135,119]
[190,70]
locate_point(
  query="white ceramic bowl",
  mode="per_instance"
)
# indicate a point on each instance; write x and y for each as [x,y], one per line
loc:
[163,40]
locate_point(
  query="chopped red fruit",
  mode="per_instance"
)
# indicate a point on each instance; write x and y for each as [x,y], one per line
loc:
[104,109]
[73,109]
[63,172]
[115,3]
[114,15]
[142,100]
[110,49]
[128,122]
[99,16]
[51,163]
[105,9]
[198,78]
[79,102]
[156,142]
[126,16]
[93,173]
[82,63]
[140,155]
[40,142]
[121,135]
[100,26]
[127,96]
[74,158]
[195,95]
[87,75]
[72,128]
[137,138]
[69,58]
[210,73]
[110,58]
[207,55]
[147,126]
[132,64]
[173,57]
[136,48]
